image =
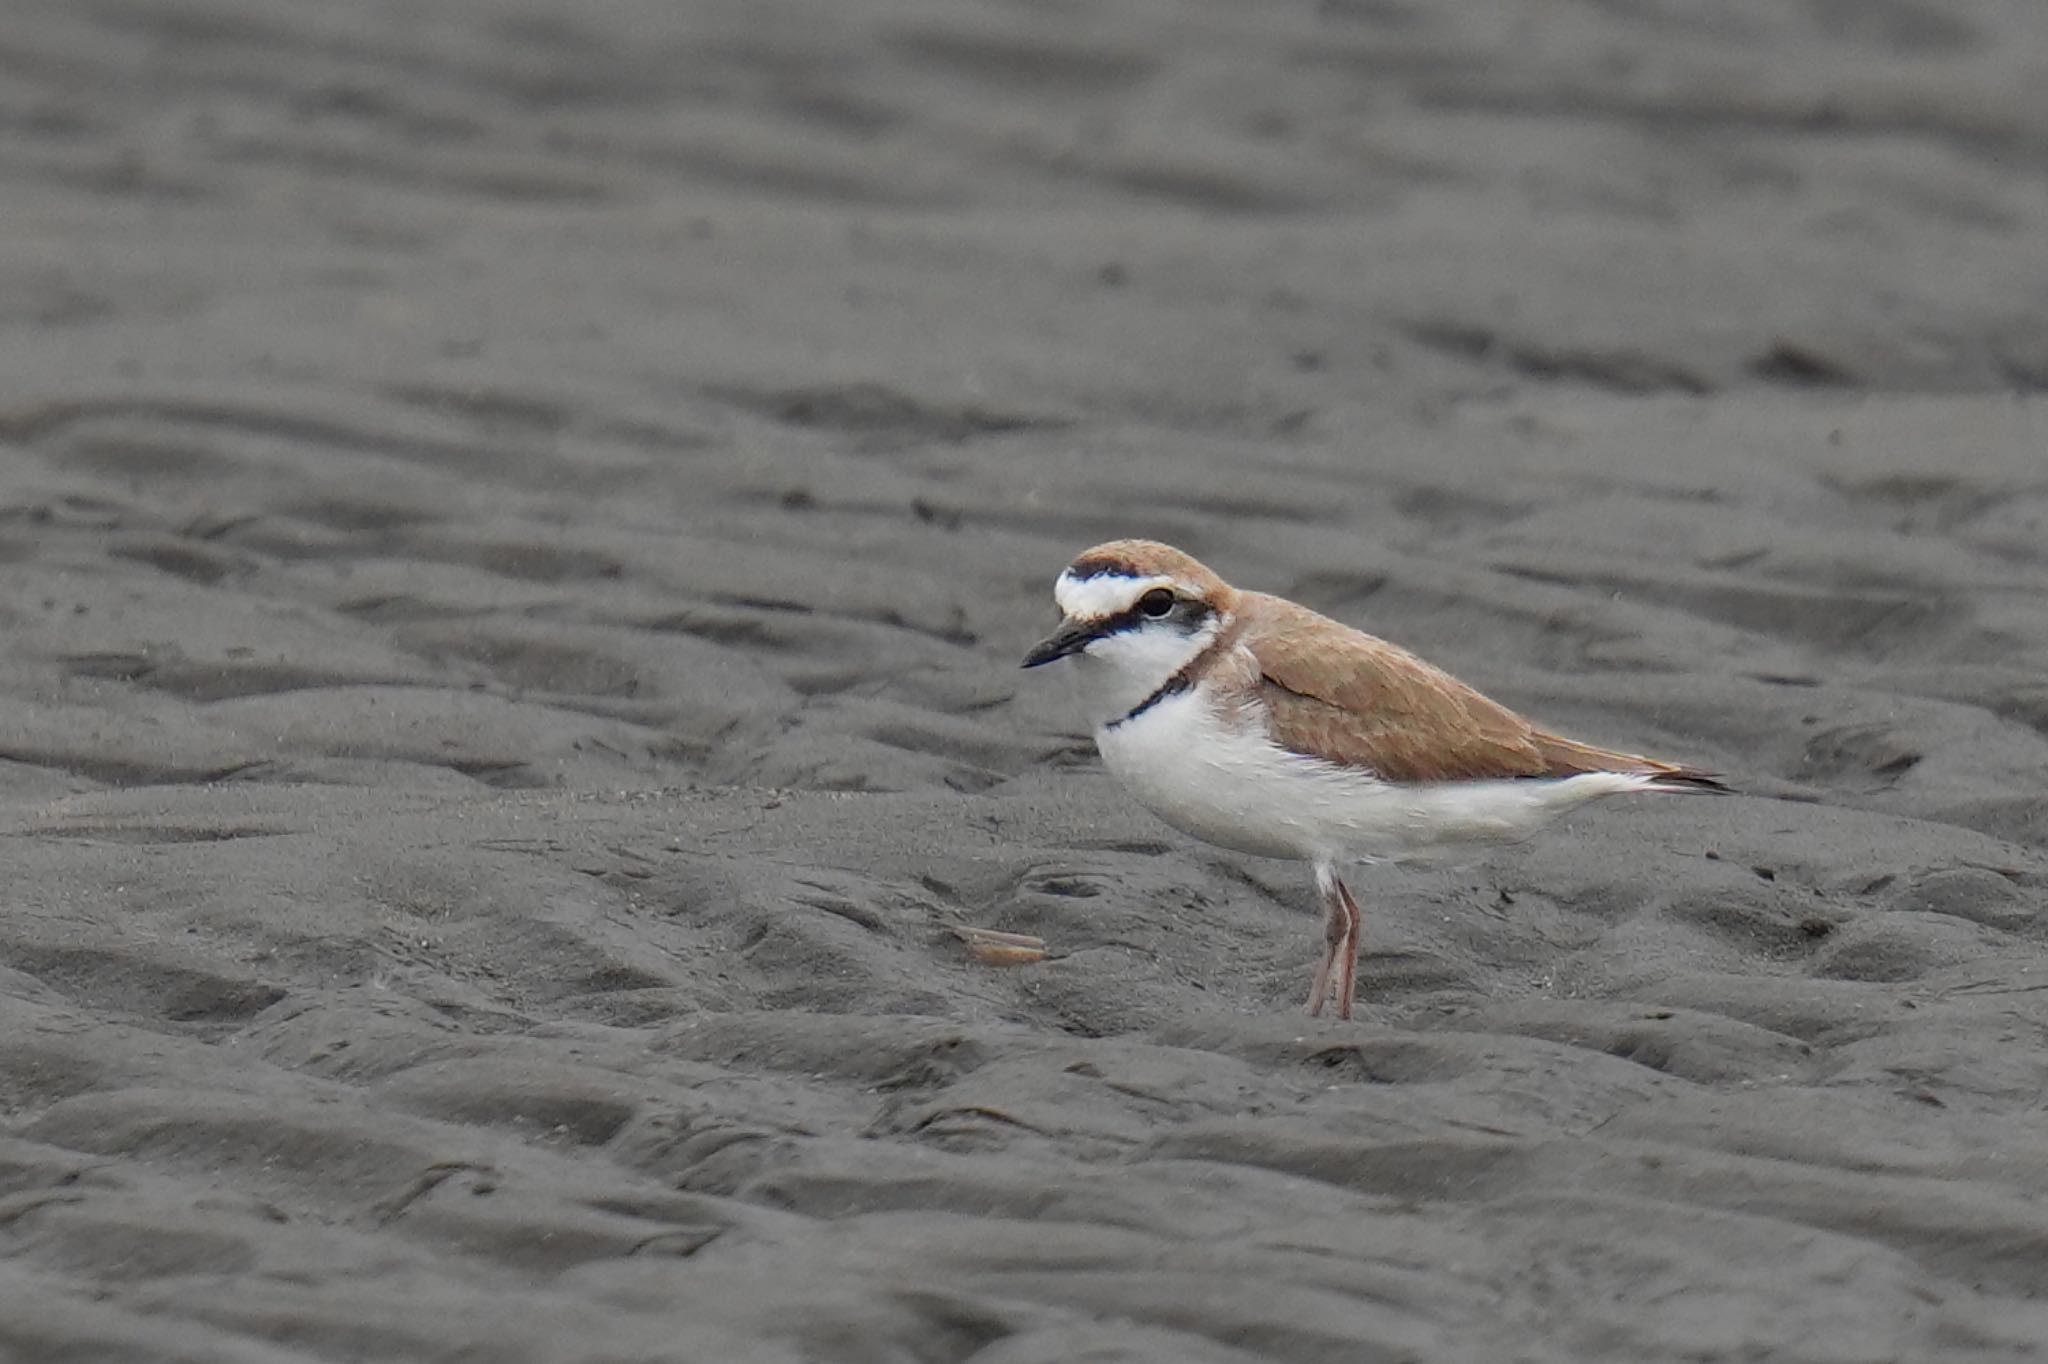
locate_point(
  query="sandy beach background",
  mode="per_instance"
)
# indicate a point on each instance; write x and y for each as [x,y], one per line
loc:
[518,521]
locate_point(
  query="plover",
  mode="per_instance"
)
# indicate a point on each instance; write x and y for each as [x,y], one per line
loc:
[1259,725]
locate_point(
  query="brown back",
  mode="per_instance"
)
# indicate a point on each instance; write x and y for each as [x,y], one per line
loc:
[1341,694]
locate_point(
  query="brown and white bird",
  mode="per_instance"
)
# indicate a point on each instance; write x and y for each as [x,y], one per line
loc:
[1259,725]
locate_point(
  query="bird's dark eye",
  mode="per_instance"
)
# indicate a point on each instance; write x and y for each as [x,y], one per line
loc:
[1156,603]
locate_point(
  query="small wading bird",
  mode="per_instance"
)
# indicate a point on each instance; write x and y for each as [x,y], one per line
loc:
[1256,724]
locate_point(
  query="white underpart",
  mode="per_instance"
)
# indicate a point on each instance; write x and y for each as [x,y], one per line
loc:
[1105,594]
[1230,785]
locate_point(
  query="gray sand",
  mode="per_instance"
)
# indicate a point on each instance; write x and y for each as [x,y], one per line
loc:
[517,522]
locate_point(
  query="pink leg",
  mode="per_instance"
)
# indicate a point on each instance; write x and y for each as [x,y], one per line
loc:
[1340,943]
[1347,967]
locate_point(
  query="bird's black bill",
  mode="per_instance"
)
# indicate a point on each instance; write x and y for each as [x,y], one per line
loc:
[1071,638]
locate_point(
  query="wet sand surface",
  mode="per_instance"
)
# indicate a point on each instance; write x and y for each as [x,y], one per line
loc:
[518,520]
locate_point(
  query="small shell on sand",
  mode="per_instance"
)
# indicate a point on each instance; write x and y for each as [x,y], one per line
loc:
[993,948]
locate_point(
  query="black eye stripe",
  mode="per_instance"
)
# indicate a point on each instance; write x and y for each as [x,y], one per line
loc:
[1188,614]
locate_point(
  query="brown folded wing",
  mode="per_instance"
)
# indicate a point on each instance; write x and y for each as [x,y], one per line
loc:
[1336,693]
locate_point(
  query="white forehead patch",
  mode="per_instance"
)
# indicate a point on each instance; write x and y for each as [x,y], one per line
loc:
[1105,594]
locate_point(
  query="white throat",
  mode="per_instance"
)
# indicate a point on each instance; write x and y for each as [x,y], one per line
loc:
[1118,672]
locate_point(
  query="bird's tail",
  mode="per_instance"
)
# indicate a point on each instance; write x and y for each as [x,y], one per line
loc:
[1568,757]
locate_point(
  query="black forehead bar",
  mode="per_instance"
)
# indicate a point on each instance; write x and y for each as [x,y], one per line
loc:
[1081,570]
